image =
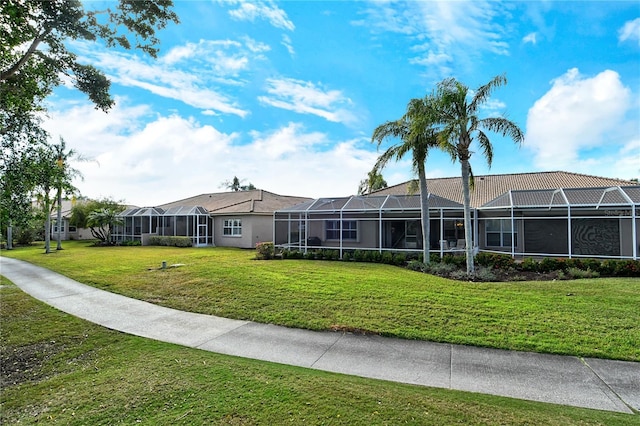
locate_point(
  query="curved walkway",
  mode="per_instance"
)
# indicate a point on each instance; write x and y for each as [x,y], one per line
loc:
[567,380]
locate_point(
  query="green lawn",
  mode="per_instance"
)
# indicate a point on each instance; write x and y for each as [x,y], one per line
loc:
[590,317]
[57,369]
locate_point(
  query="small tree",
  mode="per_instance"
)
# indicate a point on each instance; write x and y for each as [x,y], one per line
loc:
[235,185]
[101,223]
[83,215]
[373,182]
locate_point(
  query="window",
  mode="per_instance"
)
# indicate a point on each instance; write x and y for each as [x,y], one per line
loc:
[54,226]
[349,230]
[498,233]
[232,228]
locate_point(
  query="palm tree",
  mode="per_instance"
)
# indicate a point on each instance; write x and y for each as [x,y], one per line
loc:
[458,115]
[373,182]
[101,223]
[417,134]
[63,180]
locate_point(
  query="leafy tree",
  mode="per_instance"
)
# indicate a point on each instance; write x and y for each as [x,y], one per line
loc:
[417,135]
[457,110]
[101,223]
[373,182]
[235,185]
[44,175]
[83,210]
[36,57]
[36,54]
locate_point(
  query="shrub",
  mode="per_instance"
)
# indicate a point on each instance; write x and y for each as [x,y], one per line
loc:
[581,273]
[495,260]
[416,265]
[387,257]
[399,259]
[310,255]
[358,255]
[265,251]
[347,256]
[440,268]
[627,268]
[485,274]
[130,243]
[459,274]
[549,264]
[592,264]
[458,261]
[529,265]
[607,267]
[158,240]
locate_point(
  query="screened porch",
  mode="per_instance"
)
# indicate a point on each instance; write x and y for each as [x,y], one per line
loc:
[569,222]
[381,223]
[180,221]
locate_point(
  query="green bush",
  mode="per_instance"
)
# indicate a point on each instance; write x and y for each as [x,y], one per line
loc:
[459,261]
[529,265]
[399,259]
[582,273]
[495,260]
[157,240]
[358,255]
[347,256]
[265,251]
[485,274]
[130,243]
[416,265]
[550,264]
[387,257]
[627,268]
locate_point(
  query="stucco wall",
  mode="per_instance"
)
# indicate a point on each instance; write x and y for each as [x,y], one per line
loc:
[255,229]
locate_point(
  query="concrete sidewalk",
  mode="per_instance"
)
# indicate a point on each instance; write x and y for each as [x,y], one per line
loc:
[581,382]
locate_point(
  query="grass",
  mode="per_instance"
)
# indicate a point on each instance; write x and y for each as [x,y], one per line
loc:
[588,317]
[57,369]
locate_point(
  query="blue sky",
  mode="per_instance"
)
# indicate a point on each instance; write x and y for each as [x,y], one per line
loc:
[286,94]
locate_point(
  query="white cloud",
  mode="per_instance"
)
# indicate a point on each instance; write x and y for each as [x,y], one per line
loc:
[307,98]
[630,31]
[568,125]
[249,11]
[196,74]
[442,32]
[530,38]
[286,42]
[149,159]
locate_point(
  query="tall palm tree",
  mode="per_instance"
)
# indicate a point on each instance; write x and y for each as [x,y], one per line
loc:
[417,135]
[458,115]
[64,177]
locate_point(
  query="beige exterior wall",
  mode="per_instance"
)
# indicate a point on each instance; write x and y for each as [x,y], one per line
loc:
[255,229]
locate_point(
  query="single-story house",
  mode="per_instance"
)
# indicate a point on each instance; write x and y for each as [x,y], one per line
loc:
[228,219]
[68,231]
[527,214]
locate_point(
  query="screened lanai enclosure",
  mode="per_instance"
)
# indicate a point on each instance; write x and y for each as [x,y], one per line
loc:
[570,222]
[381,223]
[180,221]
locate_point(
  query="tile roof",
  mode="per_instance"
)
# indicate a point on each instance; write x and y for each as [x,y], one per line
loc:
[489,187]
[256,201]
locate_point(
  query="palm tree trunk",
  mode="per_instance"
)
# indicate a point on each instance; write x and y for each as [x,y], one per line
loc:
[47,223]
[468,234]
[10,236]
[59,219]
[424,207]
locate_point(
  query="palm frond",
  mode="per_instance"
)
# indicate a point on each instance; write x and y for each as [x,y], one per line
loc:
[484,92]
[487,147]
[504,127]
